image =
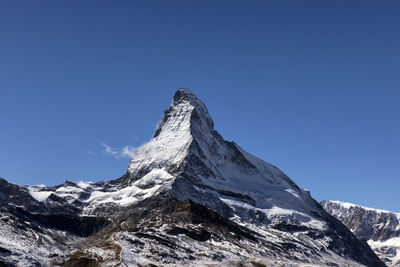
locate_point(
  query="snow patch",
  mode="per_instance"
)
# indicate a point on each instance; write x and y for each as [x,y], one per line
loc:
[145,187]
[40,196]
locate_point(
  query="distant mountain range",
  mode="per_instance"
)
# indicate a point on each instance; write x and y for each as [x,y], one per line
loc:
[188,198]
[380,228]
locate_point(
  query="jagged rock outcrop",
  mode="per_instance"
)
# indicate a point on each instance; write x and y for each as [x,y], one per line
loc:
[380,228]
[188,197]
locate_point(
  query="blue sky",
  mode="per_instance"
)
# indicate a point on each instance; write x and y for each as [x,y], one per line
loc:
[310,86]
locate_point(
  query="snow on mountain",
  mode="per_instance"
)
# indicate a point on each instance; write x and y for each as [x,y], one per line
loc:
[218,173]
[188,197]
[380,228]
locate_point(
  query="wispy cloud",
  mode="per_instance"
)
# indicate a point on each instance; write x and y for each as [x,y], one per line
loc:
[124,152]
[92,153]
[109,150]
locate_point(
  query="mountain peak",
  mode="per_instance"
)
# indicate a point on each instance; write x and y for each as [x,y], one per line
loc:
[184,94]
[186,120]
[187,112]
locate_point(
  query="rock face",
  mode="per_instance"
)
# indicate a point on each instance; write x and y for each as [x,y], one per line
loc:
[188,198]
[380,228]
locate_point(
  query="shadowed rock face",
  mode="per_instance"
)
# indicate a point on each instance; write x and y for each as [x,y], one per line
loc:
[188,197]
[381,229]
[82,262]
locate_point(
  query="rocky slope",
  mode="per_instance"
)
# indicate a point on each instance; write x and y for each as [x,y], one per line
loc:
[380,228]
[188,197]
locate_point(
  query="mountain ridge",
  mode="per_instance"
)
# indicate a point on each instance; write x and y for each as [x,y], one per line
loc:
[379,228]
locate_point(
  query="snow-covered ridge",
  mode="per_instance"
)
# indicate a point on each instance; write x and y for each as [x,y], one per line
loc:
[91,195]
[352,205]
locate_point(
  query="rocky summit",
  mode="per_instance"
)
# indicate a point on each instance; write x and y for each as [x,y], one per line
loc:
[188,198]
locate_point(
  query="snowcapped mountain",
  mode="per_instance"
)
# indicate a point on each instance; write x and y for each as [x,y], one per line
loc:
[188,198]
[380,228]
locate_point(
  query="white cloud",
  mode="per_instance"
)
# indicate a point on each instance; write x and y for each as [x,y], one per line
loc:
[128,151]
[125,152]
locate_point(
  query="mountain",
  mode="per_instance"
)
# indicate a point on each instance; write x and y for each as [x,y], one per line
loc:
[380,228]
[188,198]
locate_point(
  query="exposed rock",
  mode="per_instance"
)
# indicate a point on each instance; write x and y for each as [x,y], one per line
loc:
[381,229]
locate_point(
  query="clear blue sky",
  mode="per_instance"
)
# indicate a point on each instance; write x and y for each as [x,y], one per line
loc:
[310,86]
